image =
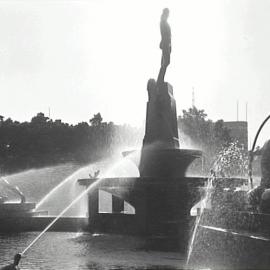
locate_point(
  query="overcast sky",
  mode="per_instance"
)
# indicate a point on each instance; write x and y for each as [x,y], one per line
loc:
[84,57]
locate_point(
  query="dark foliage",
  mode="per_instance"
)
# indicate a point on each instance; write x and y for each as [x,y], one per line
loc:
[44,142]
[203,133]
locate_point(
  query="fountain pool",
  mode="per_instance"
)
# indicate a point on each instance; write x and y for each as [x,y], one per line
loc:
[85,251]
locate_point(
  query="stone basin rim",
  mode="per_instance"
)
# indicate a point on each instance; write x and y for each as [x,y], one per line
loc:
[184,152]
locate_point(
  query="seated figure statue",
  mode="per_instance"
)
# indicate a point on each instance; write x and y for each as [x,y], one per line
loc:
[259,197]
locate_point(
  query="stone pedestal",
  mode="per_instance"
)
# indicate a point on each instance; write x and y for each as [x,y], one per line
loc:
[93,207]
[161,129]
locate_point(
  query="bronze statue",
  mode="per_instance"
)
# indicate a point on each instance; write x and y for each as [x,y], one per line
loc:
[165,44]
[95,176]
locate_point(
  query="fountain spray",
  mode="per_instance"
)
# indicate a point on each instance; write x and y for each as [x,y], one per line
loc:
[198,219]
[88,189]
[62,213]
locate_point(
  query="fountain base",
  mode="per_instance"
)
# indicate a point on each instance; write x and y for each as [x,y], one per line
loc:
[9,209]
[162,208]
[19,217]
[39,223]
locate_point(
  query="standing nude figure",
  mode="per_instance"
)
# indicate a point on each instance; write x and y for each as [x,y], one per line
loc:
[165,44]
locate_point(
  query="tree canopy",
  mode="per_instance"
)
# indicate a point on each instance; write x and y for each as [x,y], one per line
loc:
[203,133]
[44,142]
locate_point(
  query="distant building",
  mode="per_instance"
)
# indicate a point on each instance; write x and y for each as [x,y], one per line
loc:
[238,131]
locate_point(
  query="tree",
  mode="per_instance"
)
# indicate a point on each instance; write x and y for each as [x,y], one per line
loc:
[43,142]
[40,118]
[203,131]
[204,134]
[96,120]
[193,123]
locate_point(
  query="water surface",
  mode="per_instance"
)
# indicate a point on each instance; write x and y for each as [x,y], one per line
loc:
[57,250]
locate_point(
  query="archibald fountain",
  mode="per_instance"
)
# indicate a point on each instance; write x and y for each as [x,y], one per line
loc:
[162,196]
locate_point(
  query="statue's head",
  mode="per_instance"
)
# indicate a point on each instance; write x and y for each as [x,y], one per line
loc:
[165,14]
[151,88]
[151,84]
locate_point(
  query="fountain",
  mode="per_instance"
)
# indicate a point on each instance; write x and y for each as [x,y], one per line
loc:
[162,196]
[157,204]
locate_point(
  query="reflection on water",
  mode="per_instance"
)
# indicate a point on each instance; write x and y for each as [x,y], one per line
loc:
[85,251]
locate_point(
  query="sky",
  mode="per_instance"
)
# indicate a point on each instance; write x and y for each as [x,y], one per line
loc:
[82,57]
